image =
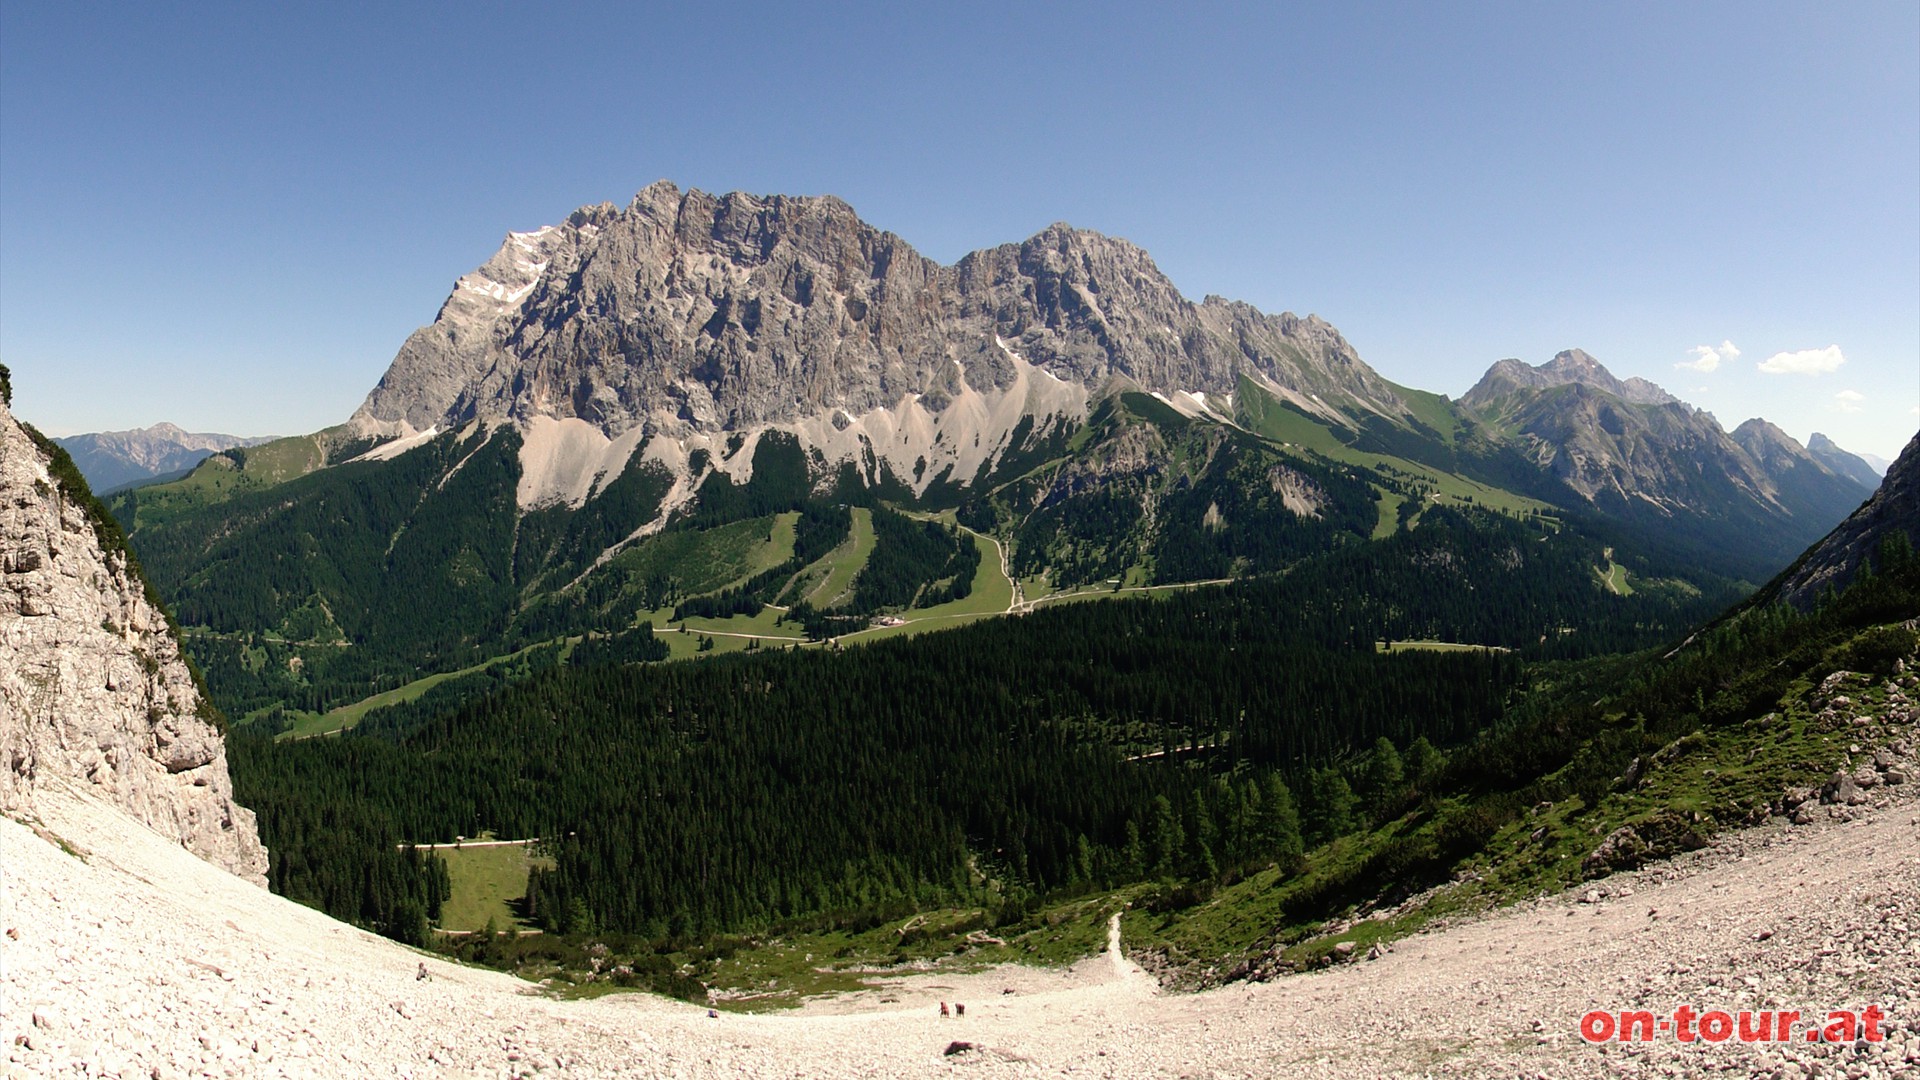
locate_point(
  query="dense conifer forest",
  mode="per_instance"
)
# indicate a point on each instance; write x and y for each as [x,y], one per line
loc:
[1189,739]
[1080,746]
[1192,739]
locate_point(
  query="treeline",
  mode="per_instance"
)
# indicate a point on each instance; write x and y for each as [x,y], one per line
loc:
[1084,747]
[1605,712]
[755,787]
[1579,726]
[635,646]
[318,558]
[1224,503]
[359,578]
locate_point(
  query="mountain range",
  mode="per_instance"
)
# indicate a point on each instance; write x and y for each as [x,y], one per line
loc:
[114,459]
[1836,561]
[649,412]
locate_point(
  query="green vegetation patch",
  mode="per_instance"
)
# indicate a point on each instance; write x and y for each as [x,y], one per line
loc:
[843,565]
[1266,415]
[489,880]
[663,569]
[308,724]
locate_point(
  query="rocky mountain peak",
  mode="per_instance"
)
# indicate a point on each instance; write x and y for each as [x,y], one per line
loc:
[95,694]
[691,311]
[1852,466]
[685,315]
[1780,456]
[1764,439]
[1571,367]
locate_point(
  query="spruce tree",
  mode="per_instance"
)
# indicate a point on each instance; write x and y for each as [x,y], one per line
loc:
[1279,824]
[1384,775]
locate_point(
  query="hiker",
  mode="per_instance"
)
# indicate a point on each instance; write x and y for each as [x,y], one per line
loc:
[422,976]
[959,1009]
[943,1008]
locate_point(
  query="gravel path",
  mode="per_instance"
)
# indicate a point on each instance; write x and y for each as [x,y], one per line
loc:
[139,960]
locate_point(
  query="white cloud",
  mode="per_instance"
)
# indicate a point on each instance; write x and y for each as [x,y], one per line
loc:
[1709,357]
[1848,400]
[1804,362]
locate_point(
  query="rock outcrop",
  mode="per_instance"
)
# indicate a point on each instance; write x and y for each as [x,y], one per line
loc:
[94,691]
[1852,466]
[1569,368]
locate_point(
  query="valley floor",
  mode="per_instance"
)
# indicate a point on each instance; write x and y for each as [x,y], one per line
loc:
[126,956]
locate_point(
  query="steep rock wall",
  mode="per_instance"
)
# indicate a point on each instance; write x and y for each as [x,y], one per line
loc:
[94,691]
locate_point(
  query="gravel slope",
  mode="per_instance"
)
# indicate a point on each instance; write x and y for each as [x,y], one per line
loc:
[141,960]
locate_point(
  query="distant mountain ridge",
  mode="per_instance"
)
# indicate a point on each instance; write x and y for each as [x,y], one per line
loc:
[1836,560]
[1571,367]
[112,459]
[1638,453]
[1855,467]
[1878,464]
[685,407]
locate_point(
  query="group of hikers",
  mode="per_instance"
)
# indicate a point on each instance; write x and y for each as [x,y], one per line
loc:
[958,1009]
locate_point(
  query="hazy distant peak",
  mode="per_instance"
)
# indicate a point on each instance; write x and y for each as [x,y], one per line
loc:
[1854,467]
[110,459]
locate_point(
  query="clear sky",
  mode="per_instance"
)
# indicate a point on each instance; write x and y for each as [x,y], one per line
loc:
[231,216]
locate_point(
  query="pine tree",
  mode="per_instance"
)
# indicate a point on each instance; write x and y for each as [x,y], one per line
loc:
[1423,764]
[1202,838]
[1133,855]
[1383,776]
[1330,806]
[1279,824]
[1165,837]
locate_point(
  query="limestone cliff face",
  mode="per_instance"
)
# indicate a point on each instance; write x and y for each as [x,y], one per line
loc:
[686,313]
[94,692]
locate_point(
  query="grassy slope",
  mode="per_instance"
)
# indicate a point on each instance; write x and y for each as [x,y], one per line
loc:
[708,560]
[333,721]
[844,563]
[782,972]
[1264,415]
[485,880]
[991,595]
[217,479]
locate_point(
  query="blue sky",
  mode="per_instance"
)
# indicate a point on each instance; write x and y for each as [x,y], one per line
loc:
[230,217]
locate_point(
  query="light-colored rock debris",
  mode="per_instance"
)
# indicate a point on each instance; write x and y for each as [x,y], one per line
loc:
[139,960]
